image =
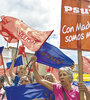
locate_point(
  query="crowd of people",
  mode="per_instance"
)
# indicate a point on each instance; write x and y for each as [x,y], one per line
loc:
[63,90]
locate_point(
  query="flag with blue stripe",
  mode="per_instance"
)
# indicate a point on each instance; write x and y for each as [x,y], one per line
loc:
[18,62]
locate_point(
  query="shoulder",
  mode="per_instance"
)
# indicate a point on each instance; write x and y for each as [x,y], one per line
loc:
[57,86]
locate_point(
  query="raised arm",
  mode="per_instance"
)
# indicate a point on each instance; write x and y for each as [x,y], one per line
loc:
[7,80]
[43,82]
[11,69]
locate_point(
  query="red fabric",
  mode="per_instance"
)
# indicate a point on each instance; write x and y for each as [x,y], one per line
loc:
[47,68]
[86,65]
[22,51]
[9,38]
[17,29]
[1,60]
[55,73]
[7,35]
[2,71]
[6,71]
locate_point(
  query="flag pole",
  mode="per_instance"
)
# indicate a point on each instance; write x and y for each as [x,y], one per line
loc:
[80,68]
[17,51]
[27,59]
[17,47]
[30,65]
[3,65]
[80,71]
[7,44]
[29,69]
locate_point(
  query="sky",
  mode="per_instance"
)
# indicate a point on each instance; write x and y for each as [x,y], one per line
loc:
[41,15]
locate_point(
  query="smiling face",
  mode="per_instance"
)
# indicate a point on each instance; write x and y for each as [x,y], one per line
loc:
[64,77]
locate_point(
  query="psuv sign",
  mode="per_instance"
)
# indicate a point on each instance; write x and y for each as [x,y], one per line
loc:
[77,10]
[75,25]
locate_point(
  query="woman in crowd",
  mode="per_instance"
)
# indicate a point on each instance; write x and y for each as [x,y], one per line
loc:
[21,72]
[50,77]
[65,89]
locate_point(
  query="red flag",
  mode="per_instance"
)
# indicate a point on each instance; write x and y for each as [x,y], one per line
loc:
[86,65]
[47,68]
[17,29]
[2,71]
[9,38]
[7,35]
[55,73]
[1,60]
[22,50]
